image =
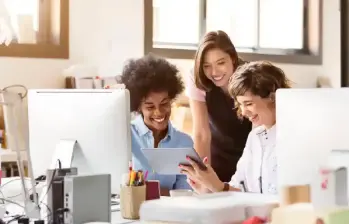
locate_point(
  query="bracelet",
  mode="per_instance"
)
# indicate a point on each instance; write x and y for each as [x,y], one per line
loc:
[226,187]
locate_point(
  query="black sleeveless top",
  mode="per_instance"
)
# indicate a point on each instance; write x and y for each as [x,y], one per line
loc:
[229,133]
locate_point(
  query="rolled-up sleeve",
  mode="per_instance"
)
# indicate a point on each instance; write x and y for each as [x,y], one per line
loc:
[241,167]
[191,91]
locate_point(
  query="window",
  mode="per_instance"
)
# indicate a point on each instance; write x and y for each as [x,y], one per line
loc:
[277,30]
[166,30]
[38,28]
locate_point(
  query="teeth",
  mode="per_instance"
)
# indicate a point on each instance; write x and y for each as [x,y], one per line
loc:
[159,120]
[218,78]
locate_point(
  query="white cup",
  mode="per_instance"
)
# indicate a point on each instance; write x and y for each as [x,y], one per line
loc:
[181,193]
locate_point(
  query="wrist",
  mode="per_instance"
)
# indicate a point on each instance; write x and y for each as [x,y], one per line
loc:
[218,187]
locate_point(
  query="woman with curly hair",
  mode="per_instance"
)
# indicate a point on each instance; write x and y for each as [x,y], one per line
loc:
[153,84]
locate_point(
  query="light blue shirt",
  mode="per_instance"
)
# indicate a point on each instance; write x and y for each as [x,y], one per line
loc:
[142,137]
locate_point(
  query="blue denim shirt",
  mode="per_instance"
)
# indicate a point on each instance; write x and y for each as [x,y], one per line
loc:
[142,137]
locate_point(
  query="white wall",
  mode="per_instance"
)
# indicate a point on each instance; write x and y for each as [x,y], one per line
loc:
[106,32]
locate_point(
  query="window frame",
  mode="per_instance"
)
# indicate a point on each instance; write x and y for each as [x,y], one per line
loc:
[47,16]
[312,38]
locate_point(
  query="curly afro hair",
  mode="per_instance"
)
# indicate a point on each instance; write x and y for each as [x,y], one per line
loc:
[150,74]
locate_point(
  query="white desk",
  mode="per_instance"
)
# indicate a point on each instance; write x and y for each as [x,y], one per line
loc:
[117,219]
[14,189]
[116,216]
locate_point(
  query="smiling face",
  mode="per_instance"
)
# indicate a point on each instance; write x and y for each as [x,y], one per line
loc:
[260,111]
[218,67]
[156,110]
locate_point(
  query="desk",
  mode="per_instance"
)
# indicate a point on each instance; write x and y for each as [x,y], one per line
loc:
[116,216]
[117,219]
[14,189]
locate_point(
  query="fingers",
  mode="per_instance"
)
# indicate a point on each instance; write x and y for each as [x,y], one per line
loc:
[193,163]
[185,172]
[207,164]
[190,181]
[192,185]
[188,170]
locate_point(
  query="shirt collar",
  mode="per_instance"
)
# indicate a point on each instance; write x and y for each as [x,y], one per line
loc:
[272,129]
[262,130]
[143,129]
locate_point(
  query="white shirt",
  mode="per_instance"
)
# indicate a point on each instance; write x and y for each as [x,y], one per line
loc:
[258,161]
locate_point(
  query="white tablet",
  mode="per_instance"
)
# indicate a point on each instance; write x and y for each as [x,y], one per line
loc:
[166,160]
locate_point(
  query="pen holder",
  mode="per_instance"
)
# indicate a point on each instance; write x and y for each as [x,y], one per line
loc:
[152,189]
[131,198]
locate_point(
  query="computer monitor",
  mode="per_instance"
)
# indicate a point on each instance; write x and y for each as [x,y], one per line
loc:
[310,123]
[99,120]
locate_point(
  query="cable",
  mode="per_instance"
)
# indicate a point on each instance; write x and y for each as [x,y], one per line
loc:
[15,218]
[60,218]
[41,202]
[59,164]
[49,186]
[49,214]
[13,196]
[1,187]
[51,182]
[23,95]
[12,202]
[9,182]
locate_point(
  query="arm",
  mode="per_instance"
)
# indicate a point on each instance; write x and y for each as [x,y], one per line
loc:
[198,107]
[201,129]
[240,174]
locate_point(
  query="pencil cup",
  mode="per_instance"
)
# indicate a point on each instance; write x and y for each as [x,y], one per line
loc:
[131,198]
[153,189]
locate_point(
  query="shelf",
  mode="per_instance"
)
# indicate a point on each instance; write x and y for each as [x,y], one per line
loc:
[7,155]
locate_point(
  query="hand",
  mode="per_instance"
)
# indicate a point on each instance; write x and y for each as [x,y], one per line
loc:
[208,178]
[197,187]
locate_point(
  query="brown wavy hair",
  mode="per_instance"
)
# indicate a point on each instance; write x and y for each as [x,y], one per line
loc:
[214,39]
[261,78]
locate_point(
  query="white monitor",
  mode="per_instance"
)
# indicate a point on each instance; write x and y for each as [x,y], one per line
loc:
[310,123]
[99,120]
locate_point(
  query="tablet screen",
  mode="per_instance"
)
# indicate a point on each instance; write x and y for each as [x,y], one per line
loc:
[166,160]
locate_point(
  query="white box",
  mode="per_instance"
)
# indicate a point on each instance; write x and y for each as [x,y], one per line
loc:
[217,208]
[332,188]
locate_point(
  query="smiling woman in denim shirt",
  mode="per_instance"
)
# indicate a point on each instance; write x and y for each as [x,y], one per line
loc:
[154,83]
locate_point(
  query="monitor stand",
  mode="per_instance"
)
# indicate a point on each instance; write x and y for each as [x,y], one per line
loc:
[63,155]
